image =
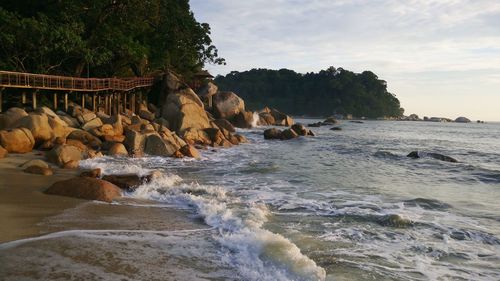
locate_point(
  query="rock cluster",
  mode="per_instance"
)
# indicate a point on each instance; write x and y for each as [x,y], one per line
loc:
[294,131]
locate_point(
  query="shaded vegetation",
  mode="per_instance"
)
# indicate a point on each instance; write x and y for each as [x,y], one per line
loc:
[324,93]
[103,37]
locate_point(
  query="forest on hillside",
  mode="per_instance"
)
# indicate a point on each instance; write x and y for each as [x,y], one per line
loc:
[327,92]
[103,38]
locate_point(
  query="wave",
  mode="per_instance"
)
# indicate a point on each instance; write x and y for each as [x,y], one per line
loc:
[257,253]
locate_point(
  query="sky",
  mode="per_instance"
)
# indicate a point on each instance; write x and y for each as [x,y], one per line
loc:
[440,58]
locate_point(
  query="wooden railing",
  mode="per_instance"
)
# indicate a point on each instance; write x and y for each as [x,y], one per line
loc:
[9,79]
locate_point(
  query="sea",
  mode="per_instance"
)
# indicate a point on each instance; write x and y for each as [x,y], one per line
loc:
[342,205]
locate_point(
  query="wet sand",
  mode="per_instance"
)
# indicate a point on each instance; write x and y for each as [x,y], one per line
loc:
[23,206]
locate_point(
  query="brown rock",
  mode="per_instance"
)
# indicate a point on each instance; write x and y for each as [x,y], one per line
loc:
[215,135]
[85,188]
[63,154]
[92,124]
[78,144]
[86,138]
[288,134]
[224,124]
[145,114]
[94,173]
[119,138]
[107,130]
[244,119]
[10,117]
[3,152]
[190,151]
[38,125]
[178,154]
[227,105]
[155,145]
[73,164]
[281,118]
[196,136]
[128,182]
[44,171]
[70,121]
[266,119]
[17,140]
[272,133]
[241,139]
[300,129]
[34,162]
[117,149]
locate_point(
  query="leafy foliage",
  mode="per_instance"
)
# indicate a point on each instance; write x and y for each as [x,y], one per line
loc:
[104,37]
[314,94]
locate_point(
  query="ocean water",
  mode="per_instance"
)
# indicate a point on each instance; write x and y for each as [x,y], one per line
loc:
[344,205]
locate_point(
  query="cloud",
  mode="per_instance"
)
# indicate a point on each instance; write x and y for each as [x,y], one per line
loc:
[399,40]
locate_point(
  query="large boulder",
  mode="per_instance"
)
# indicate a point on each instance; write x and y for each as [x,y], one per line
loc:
[85,188]
[227,105]
[183,109]
[10,117]
[190,151]
[17,140]
[70,121]
[117,149]
[128,182]
[171,138]
[39,126]
[288,134]
[224,124]
[272,134]
[63,154]
[34,162]
[155,145]
[196,136]
[266,119]
[209,90]
[244,119]
[92,124]
[86,138]
[281,119]
[300,129]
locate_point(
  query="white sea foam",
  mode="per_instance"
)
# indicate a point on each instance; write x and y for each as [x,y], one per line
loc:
[257,253]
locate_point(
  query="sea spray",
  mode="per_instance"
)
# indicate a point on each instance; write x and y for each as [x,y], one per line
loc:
[258,254]
[255,119]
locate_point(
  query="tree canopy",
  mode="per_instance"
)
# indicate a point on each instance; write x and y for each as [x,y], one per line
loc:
[103,37]
[330,91]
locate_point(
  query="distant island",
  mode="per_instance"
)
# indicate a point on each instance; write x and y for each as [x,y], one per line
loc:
[325,93]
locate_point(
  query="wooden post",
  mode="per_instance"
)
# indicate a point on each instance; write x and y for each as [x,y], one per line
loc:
[106,104]
[66,102]
[83,100]
[1,99]
[33,96]
[132,103]
[125,102]
[118,102]
[23,98]
[55,101]
[93,102]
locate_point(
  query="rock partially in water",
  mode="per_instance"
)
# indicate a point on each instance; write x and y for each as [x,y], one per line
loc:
[336,129]
[128,182]
[272,133]
[438,156]
[85,188]
[394,220]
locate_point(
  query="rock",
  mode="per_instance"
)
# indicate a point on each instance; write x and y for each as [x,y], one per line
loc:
[394,221]
[144,114]
[86,117]
[190,151]
[196,136]
[317,124]
[85,188]
[419,154]
[70,121]
[178,154]
[63,154]
[357,122]
[336,129]
[266,119]
[17,140]
[330,121]
[224,124]
[44,171]
[288,134]
[228,105]
[120,138]
[73,164]
[59,128]
[170,138]
[462,120]
[78,144]
[10,117]
[3,152]
[94,173]
[209,90]
[38,125]
[34,162]
[272,133]
[128,182]
[46,111]
[244,119]
[92,124]
[107,130]
[241,139]
[300,129]
[216,136]
[134,142]
[117,149]
[281,118]
[155,145]
[86,138]
[183,109]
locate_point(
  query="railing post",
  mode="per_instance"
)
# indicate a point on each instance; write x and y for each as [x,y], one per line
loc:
[66,102]
[55,100]
[93,102]
[132,103]
[83,100]
[33,95]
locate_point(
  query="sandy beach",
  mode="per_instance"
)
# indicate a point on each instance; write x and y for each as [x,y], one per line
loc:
[22,204]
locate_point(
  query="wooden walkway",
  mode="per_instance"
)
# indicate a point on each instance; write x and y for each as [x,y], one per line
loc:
[111,91]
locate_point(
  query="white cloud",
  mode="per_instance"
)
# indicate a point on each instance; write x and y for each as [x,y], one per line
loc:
[420,42]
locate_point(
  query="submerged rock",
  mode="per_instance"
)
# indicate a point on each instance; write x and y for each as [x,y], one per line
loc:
[272,133]
[438,156]
[394,220]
